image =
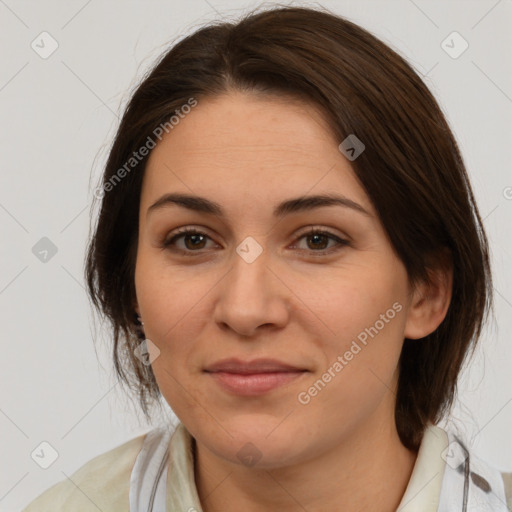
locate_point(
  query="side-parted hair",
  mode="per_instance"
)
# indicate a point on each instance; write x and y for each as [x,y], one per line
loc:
[411,169]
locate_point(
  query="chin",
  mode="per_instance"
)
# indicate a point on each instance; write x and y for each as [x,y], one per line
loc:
[260,453]
[257,443]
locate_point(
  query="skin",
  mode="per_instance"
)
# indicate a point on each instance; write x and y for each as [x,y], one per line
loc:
[340,451]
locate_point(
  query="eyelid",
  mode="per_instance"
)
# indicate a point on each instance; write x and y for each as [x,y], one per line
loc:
[317,228]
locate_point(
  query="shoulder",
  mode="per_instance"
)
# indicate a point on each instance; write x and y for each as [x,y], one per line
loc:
[485,476]
[507,482]
[103,483]
[490,477]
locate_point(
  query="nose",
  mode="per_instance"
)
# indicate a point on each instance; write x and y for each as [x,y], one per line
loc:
[252,297]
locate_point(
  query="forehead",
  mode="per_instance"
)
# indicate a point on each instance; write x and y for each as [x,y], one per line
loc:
[241,147]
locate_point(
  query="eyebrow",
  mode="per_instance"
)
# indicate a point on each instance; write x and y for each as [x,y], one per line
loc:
[299,204]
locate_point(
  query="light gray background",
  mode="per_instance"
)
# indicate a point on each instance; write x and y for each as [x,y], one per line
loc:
[58,117]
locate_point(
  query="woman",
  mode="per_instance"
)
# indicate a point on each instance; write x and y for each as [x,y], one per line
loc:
[289,251]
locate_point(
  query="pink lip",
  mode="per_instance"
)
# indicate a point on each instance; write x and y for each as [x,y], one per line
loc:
[253,384]
[261,365]
[253,377]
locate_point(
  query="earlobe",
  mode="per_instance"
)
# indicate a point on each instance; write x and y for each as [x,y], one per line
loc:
[430,303]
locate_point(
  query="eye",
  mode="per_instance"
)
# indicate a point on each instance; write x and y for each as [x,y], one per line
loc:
[320,239]
[195,241]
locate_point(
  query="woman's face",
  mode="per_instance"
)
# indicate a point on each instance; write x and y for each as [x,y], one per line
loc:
[332,315]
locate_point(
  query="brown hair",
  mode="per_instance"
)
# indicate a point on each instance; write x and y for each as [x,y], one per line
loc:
[411,169]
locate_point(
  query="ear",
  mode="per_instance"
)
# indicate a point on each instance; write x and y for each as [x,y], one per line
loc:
[430,301]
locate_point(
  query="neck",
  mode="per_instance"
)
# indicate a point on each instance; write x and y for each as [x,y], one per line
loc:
[370,466]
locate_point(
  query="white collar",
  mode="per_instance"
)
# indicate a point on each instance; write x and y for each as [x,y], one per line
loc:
[424,487]
[438,481]
[447,478]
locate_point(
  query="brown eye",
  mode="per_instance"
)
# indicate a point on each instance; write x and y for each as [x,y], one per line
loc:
[320,240]
[193,240]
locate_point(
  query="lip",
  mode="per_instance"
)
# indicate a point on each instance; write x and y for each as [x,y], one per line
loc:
[261,365]
[251,378]
[254,384]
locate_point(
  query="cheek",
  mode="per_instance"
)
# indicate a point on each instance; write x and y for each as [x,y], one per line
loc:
[360,373]
[174,315]
[363,302]
[364,318]
[172,299]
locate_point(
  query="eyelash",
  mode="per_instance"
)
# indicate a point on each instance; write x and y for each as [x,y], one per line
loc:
[167,243]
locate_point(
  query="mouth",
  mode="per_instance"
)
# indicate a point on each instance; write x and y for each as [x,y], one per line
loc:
[252,378]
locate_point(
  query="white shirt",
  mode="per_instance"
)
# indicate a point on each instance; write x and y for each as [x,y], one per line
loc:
[155,472]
